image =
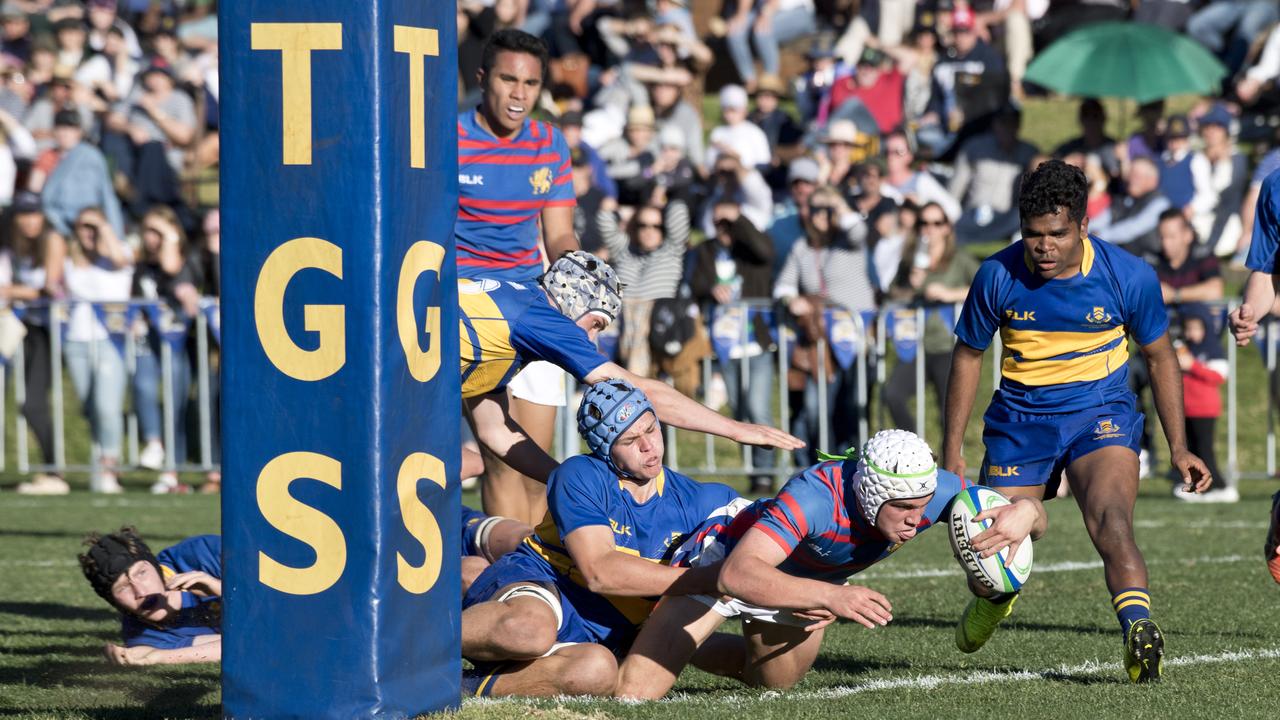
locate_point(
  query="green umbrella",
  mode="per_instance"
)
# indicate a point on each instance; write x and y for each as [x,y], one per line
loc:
[1127,60]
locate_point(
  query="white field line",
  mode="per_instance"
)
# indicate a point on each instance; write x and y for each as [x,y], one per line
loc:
[1065,566]
[1090,668]
[1204,524]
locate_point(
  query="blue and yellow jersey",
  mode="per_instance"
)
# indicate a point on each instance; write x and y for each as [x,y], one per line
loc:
[1065,348]
[583,492]
[503,186]
[815,519]
[198,615]
[504,325]
[1266,227]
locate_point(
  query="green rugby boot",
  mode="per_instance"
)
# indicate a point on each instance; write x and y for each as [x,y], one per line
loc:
[1144,651]
[979,622]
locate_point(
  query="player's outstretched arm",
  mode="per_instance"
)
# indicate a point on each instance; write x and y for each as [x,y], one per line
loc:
[609,572]
[1259,296]
[503,435]
[1166,387]
[962,389]
[751,574]
[206,648]
[676,409]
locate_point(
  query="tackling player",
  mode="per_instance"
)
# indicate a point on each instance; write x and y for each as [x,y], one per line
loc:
[1259,300]
[515,195]
[505,325]
[788,559]
[1064,304]
[546,619]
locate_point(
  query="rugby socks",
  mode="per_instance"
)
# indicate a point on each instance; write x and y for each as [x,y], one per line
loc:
[1131,604]
[479,680]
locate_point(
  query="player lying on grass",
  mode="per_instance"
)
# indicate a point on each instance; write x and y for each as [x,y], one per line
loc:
[170,605]
[786,561]
[1065,305]
[504,325]
[547,618]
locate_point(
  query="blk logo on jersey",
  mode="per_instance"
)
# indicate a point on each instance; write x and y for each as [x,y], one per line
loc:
[1024,315]
[1099,316]
[618,528]
[470,179]
[540,180]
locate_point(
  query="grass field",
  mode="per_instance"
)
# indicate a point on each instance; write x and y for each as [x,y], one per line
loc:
[1058,657]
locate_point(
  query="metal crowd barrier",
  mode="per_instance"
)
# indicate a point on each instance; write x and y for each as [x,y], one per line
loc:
[900,327]
[118,319]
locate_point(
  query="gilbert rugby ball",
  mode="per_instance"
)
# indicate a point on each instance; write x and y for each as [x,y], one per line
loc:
[989,572]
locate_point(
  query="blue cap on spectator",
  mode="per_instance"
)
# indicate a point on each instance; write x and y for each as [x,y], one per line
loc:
[1178,127]
[25,201]
[1218,115]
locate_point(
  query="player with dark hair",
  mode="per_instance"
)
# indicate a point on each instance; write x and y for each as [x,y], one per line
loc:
[170,605]
[504,325]
[547,618]
[1065,304]
[788,560]
[1259,301]
[515,203]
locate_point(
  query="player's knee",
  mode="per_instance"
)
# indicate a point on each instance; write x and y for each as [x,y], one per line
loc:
[525,634]
[593,671]
[471,569]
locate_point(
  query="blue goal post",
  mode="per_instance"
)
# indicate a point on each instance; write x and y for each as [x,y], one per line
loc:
[340,388]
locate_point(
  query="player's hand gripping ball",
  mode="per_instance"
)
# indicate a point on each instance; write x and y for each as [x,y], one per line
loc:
[995,572]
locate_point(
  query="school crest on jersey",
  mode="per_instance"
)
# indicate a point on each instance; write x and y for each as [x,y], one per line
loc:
[540,180]
[1099,316]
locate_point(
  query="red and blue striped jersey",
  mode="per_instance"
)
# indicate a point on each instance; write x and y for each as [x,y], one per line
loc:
[503,186]
[816,519]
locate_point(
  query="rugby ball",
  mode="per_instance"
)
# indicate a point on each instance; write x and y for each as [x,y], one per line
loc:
[989,572]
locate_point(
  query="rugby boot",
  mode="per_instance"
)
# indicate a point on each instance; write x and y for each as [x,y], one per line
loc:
[979,622]
[1144,651]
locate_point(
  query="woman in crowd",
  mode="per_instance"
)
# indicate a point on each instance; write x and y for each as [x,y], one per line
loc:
[30,271]
[166,275]
[99,268]
[649,259]
[932,273]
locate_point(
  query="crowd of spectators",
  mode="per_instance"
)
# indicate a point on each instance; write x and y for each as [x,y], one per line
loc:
[108,150]
[792,155]
[857,151]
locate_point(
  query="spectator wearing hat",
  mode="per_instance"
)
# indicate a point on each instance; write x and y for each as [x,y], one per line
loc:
[15,31]
[787,225]
[737,133]
[735,265]
[146,136]
[672,110]
[674,176]
[80,180]
[766,24]
[778,125]
[571,128]
[837,155]
[1220,176]
[814,83]
[1093,140]
[1132,218]
[969,81]
[1175,163]
[630,158]
[988,171]
[876,86]
[60,96]
[31,264]
[915,186]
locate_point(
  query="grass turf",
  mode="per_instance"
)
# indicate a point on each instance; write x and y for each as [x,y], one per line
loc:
[1058,656]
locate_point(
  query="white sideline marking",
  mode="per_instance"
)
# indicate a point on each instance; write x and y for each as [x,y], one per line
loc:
[1065,566]
[1088,668]
[1204,524]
